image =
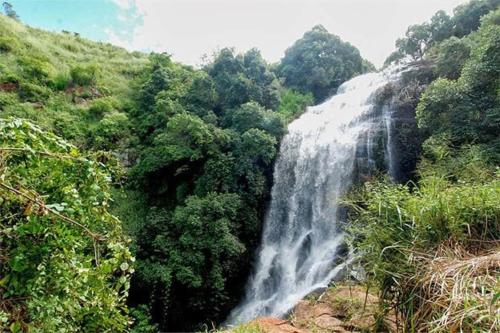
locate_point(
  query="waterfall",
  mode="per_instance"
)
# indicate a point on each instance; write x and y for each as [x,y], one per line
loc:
[389,147]
[302,234]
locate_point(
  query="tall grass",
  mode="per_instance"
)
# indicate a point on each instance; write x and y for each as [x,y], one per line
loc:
[433,248]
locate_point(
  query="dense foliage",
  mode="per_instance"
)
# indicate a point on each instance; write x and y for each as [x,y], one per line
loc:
[202,143]
[466,109]
[65,261]
[205,170]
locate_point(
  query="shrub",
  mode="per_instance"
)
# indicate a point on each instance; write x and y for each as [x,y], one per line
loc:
[410,237]
[61,81]
[68,127]
[8,44]
[71,47]
[294,103]
[32,92]
[110,130]
[84,75]
[9,77]
[65,265]
[7,99]
[103,106]
[142,320]
[451,56]
[36,69]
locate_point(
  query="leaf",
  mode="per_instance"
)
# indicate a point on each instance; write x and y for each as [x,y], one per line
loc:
[15,327]
[4,280]
[495,298]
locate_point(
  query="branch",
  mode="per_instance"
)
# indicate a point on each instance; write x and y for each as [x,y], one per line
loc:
[95,236]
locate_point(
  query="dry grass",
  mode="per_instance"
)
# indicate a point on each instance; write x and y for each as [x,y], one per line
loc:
[458,290]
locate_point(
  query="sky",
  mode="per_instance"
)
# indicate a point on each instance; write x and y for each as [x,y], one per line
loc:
[190,30]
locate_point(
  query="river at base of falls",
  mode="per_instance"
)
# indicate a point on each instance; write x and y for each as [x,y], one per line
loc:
[302,236]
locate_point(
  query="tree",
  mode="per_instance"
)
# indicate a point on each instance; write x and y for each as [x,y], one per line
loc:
[201,97]
[243,78]
[420,37]
[293,103]
[252,115]
[440,27]
[9,11]
[319,63]
[416,40]
[204,174]
[188,258]
[450,56]
[467,17]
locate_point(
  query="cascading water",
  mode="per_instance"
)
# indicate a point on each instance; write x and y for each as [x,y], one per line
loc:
[389,148]
[302,235]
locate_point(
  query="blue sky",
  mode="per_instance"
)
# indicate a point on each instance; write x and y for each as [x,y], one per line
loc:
[93,19]
[191,29]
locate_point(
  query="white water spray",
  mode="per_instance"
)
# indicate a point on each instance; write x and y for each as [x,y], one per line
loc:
[302,235]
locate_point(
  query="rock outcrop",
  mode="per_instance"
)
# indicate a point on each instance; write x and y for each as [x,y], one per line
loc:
[339,309]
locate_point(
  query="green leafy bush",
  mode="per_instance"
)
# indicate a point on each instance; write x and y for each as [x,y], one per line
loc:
[84,75]
[65,263]
[8,44]
[66,125]
[7,99]
[294,103]
[33,92]
[451,56]
[61,81]
[36,69]
[110,130]
[103,106]
[7,76]
[142,319]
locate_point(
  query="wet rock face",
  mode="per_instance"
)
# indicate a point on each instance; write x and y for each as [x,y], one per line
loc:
[402,98]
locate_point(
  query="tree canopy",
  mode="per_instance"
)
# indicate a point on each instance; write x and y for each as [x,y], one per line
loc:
[319,63]
[420,37]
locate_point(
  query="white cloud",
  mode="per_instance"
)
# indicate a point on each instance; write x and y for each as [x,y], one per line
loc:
[188,29]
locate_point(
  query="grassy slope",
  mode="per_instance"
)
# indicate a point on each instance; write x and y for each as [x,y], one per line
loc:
[36,79]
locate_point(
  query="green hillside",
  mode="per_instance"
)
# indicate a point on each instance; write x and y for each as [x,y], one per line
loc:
[63,82]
